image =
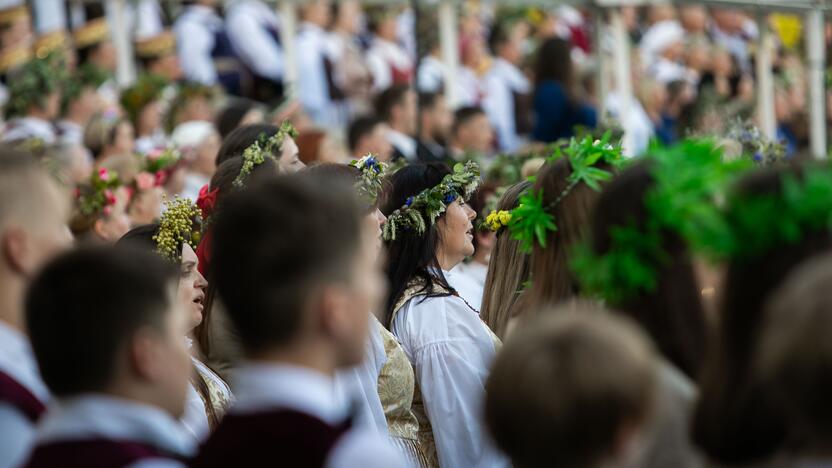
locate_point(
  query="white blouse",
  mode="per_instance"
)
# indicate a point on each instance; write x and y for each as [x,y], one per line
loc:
[451,351]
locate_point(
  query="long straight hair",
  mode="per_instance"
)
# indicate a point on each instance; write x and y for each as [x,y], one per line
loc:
[508,269]
[552,279]
[412,255]
[673,314]
[736,420]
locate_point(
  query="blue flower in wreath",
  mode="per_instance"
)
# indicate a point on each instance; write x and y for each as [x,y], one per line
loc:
[449,198]
[409,201]
[758,157]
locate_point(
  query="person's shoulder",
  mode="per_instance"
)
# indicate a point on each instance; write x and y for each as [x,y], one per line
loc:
[363,448]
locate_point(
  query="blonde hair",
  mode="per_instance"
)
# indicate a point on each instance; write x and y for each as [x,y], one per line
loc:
[100,133]
[508,269]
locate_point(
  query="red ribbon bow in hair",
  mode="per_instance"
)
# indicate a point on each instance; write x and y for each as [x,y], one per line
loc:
[207,201]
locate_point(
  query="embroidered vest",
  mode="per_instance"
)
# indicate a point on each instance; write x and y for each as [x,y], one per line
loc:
[93,453]
[18,396]
[416,289]
[230,69]
[279,437]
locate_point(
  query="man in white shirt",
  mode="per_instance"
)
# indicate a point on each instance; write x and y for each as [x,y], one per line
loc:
[298,324]
[316,89]
[507,89]
[205,50]
[253,27]
[397,107]
[33,216]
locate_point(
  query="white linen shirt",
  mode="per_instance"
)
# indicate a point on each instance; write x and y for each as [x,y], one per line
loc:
[313,89]
[359,384]
[246,25]
[260,386]
[451,351]
[500,83]
[195,29]
[18,361]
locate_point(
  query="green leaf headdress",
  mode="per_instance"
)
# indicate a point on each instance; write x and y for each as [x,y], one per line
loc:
[259,151]
[422,210]
[32,83]
[372,173]
[759,223]
[180,223]
[689,180]
[531,220]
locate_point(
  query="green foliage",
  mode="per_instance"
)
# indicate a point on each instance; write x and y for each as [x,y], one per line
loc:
[259,151]
[756,224]
[33,83]
[372,174]
[423,209]
[146,89]
[689,180]
[532,220]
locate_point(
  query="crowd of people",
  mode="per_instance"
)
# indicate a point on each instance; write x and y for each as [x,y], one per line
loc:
[210,266]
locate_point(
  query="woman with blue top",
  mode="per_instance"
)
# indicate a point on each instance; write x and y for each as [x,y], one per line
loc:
[557,110]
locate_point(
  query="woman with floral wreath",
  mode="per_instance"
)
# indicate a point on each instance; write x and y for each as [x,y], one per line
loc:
[100,213]
[174,237]
[429,231]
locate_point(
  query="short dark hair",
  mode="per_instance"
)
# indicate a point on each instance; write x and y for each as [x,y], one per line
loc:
[388,99]
[273,245]
[232,114]
[85,305]
[427,101]
[241,138]
[360,128]
[500,34]
[464,115]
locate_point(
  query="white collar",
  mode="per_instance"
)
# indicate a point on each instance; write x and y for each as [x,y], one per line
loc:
[101,416]
[261,386]
[18,360]
[31,127]
[405,144]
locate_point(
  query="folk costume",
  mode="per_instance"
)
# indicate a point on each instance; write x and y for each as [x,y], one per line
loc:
[98,431]
[205,50]
[30,87]
[254,30]
[445,340]
[23,396]
[507,103]
[296,412]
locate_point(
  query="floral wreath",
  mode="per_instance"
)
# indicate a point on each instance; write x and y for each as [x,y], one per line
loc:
[755,146]
[531,220]
[420,210]
[180,223]
[161,163]
[146,89]
[689,180]
[259,151]
[372,173]
[98,196]
[87,74]
[35,80]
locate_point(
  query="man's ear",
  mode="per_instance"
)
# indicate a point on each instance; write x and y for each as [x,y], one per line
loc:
[15,247]
[143,356]
[332,311]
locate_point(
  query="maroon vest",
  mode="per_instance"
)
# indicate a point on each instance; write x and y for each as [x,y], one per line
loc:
[92,453]
[274,438]
[18,396]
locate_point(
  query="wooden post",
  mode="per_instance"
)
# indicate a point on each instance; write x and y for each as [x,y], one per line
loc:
[449,43]
[288,32]
[816,60]
[765,80]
